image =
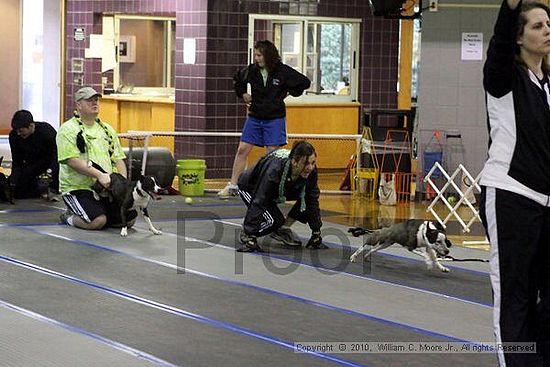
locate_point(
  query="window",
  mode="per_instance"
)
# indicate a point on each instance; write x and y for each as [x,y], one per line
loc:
[40,72]
[324,49]
[146,53]
[416,58]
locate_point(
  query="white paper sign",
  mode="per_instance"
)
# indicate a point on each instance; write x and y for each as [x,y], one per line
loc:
[108,27]
[79,34]
[108,58]
[96,46]
[102,47]
[472,46]
[189,50]
[108,50]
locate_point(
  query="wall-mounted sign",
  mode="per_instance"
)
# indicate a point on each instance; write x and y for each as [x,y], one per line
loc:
[78,80]
[472,46]
[77,65]
[79,34]
[189,50]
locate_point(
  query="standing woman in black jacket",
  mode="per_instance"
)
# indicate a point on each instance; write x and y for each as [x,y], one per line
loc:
[271,82]
[515,203]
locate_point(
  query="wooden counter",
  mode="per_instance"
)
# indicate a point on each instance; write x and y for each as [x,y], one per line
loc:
[157,113]
[140,113]
[341,118]
[139,98]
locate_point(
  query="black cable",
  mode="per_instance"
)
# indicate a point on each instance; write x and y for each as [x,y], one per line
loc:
[450,258]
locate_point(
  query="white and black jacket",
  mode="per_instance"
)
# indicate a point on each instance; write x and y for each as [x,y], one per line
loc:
[518,117]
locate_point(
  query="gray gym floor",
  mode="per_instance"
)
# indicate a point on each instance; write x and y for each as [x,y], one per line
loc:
[70,297]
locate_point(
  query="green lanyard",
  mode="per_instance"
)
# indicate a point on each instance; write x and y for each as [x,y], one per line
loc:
[284,153]
[81,143]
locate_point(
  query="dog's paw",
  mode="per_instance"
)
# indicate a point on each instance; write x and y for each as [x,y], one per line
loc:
[124,232]
[429,265]
[156,231]
[444,269]
[353,258]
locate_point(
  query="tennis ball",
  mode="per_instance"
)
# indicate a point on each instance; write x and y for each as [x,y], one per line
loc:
[451,200]
[188,200]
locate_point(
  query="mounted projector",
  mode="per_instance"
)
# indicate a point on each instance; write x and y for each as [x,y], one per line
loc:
[392,9]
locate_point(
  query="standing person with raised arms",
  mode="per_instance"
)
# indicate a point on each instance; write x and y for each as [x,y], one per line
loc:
[515,201]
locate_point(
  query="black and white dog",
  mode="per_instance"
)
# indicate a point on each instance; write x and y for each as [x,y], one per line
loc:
[130,195]
[414,234]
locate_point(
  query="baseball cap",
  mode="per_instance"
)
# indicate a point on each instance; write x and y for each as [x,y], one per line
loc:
[21,118]
[85,93]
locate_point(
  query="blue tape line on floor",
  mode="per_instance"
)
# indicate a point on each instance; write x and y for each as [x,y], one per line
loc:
[74,329]
[262,289]
[177,311]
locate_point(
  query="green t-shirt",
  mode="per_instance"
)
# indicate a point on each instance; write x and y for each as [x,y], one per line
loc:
[97,151]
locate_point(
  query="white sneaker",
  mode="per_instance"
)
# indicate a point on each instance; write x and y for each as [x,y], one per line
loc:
[228,191]
[66,218]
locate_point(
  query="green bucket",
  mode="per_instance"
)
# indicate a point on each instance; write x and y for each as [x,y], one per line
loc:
[191,176]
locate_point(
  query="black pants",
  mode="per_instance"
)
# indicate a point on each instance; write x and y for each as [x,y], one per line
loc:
[25,184]
[271,219]
[519,231]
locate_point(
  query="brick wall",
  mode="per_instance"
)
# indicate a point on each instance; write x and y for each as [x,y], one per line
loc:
[204,91]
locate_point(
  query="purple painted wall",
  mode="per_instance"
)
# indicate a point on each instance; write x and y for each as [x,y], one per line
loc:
[204,92]
[87,14]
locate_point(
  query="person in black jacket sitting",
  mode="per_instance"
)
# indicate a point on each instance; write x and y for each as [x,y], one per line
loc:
[34,157]
[270,82]
[279,176]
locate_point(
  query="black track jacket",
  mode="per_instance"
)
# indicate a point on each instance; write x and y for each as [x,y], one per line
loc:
[268,101]
[36,153]
[262,181]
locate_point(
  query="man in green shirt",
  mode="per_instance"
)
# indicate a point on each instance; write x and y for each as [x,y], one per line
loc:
[88,149]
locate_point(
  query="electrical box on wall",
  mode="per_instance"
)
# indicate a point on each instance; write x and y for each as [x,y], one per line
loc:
[433,5]
[78,80]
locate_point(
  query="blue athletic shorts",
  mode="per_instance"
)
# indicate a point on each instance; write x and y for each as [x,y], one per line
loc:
[264,132]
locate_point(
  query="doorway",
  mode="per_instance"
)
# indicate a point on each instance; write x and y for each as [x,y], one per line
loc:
[41,59]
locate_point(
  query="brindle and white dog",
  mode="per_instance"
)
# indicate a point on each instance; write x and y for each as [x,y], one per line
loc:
[6,191]
[414,234]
